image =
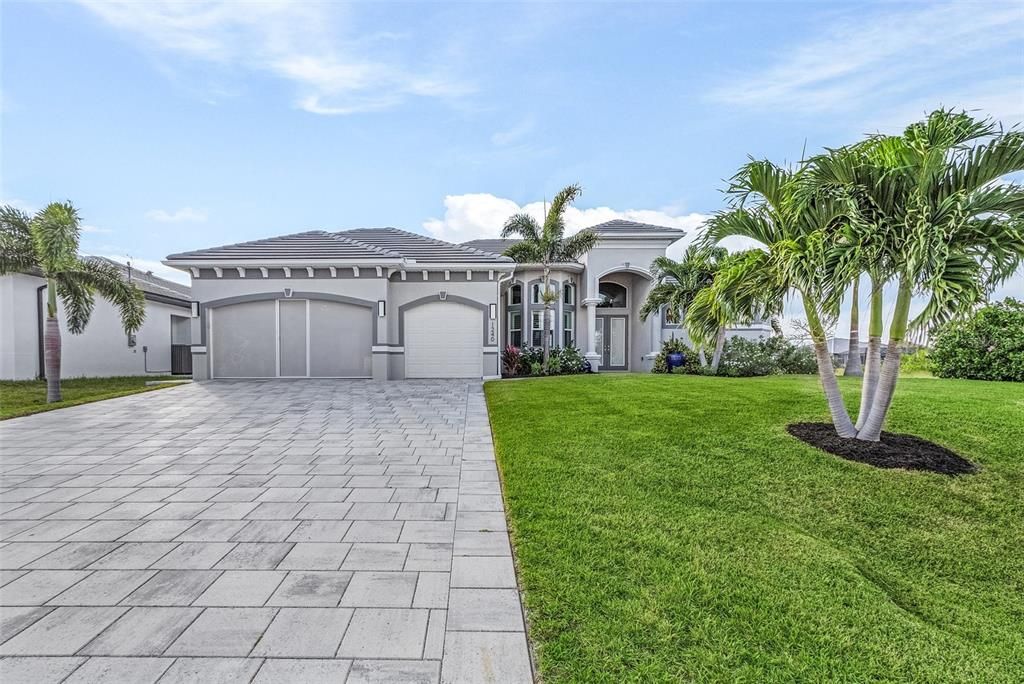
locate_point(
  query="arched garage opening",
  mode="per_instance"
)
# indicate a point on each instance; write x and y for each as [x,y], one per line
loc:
[443,338]
[307,335]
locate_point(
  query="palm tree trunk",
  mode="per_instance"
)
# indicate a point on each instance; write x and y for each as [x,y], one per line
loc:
[827,374]
[853,366]
[719,346]
[703,357]
[873,365]
[546,323]
[872,428]
[51,345]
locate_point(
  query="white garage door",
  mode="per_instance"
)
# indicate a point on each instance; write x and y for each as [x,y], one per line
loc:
[443,340]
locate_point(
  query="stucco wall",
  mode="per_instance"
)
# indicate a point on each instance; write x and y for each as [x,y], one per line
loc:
[100,350]
[19,328]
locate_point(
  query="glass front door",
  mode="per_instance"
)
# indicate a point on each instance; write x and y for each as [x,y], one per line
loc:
[611,341]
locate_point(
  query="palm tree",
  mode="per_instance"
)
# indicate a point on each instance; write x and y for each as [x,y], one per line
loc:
[47,243]
[853,365]
[795,234]
[677,283]
[548,245]
[928,213]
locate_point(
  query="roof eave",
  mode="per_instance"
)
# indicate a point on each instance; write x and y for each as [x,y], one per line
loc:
[662,235]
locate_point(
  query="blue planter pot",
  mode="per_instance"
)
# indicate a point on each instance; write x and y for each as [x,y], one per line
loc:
[675,360]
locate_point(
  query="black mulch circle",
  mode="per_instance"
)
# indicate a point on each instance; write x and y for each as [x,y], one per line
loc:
[893,451]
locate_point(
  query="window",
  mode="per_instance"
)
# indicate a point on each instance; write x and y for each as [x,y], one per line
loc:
[537,292]
[515,329]
[612,295]
[515,294]
[567,328]
[536,329]
[569,294]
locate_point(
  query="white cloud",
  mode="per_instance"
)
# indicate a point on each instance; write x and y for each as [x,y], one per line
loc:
[154,266]
[95,229]
[185,214]
[312,45]
[861,60]
[482,215]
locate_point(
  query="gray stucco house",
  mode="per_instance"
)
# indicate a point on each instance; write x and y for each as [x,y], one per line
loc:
[388,304]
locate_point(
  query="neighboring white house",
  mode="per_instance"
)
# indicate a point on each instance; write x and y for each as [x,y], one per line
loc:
[387,304]
[161,346]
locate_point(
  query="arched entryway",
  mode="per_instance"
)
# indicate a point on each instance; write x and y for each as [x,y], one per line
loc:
[620,339]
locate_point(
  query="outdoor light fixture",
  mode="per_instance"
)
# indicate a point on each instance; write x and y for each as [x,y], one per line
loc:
[381,308]
[195,309]
[494,311]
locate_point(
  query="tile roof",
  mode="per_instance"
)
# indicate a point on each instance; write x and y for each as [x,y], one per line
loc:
[420,247]
[147,282]
[621,226]
[494,245]
[369,244]
[314,244]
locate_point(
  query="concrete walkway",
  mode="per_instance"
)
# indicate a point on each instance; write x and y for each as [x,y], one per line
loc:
[278,531]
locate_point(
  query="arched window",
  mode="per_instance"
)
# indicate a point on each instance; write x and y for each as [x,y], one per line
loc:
[537,291]
[515,295]
[612,295]
[569,294]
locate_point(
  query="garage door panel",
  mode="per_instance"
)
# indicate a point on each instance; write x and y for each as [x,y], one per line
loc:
[443,340]
[340,340]
[292,329]
[243,340]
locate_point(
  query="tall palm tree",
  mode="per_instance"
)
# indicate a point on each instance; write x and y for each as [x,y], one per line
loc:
[929,214]
[677,284]
[546,244]
[795,235]
[47,243]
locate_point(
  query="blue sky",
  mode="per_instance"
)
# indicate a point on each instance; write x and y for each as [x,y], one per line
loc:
[178,126]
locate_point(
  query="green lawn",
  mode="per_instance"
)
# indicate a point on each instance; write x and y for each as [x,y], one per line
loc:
[24,398]
[667,528]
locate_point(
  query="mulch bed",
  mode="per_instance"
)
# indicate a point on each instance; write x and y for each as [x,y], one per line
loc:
[893,451]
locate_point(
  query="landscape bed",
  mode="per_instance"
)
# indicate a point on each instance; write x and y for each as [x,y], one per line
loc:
[669,528]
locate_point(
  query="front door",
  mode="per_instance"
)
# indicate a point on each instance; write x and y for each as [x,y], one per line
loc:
[611,341]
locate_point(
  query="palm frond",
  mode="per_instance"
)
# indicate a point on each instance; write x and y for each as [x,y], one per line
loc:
[523,226]
[574,247]
[55,234]
[78,301]
[554,222]
[751,223]
[525,252]
[17,251]
[107,280]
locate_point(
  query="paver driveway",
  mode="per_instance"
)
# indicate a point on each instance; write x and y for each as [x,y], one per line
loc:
[258,531]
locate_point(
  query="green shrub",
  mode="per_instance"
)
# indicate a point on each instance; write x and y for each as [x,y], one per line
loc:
[743,358]
[793,359]
[691,361]
[916,362]
[987,346]
[561,361]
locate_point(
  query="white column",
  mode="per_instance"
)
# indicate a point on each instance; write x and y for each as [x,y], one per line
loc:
[592,355]
[557,325]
